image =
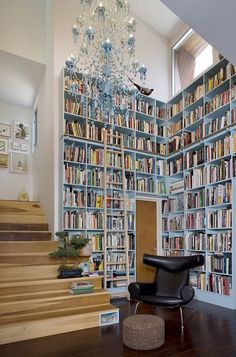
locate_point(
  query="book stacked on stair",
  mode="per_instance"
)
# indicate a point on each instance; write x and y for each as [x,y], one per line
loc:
[82,287]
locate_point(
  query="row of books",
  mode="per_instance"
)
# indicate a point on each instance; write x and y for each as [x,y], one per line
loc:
[219,194]
[72,197]
[220,263]
[218,148]
[219,284]
[217,101]
[174,109]
[150,128]
[173,243]
[74,219]
[220,218]
[192,116]
[176,223]
[195,220]
[221,241]
[75,153]
[196,94]
[218,78]
[194,158]
[195,199]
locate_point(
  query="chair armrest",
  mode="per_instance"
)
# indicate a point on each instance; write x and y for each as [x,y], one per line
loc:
[187,293]
[137,289]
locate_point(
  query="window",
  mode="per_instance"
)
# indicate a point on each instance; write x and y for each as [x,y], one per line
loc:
[191,55]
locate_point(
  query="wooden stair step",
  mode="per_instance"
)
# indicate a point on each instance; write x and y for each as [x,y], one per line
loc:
[35,295]
[30,287]
[23,227]
[78,319]
[28,246]
[16,309]
[22,219]
[24,273]
[30,316]
[13,207]
[25,235]
[40,258]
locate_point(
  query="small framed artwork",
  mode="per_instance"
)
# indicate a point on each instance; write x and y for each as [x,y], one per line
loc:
[19,162]
[24,146]
[3,146]
[5,130]
[16,145]
[21,131]
[3,161]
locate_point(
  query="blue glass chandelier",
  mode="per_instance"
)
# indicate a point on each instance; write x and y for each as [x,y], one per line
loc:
[105,53]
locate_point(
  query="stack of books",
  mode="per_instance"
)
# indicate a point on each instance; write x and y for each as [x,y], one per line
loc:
[83,287]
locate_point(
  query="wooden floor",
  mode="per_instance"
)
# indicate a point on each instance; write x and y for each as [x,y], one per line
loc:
[209,331]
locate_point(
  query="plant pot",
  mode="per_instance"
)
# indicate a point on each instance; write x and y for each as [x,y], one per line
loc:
[86,251]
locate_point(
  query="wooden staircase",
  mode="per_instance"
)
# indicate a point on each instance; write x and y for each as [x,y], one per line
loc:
[33,302]
[22,221]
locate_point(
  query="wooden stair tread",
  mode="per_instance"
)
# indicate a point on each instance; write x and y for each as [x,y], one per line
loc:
[53,314]
[48,281]
[59,295]
[51,325]
[34,254]
[27,246]
[37,308]
[24,227]
[36,295]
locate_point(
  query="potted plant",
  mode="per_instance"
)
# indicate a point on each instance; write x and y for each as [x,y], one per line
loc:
[69,247]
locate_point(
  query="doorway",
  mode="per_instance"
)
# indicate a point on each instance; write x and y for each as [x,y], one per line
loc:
[146,237]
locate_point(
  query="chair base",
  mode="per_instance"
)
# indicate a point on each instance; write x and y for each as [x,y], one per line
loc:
[169,307]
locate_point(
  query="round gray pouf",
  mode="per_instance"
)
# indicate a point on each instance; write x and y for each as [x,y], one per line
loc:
[143,332]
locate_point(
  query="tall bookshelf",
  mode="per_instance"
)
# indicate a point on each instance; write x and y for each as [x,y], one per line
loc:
[201,167]
[89,201]
[183,152]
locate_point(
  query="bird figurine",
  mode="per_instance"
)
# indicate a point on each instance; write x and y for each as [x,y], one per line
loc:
[142,90]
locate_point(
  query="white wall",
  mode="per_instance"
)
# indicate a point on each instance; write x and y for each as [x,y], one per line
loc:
[153,50]
[11,183]
[22,28]
[43,156]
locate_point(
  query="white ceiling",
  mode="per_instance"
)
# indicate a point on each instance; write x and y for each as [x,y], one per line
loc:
[20,79]
[213,20]
[157,16]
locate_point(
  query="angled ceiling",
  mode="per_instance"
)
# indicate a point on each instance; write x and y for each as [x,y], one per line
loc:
[20,79]
[157,16]
[214,20]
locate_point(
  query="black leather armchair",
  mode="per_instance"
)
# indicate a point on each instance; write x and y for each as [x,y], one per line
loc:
[171,284]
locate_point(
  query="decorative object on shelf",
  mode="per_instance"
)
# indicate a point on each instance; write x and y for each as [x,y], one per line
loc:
[5,130]
[3,161]
[142,90]
[19,163]
[3,146]
[69,247]
[21,131]
[23,195]
[105,53]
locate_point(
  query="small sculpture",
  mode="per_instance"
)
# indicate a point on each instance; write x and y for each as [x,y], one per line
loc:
[142,90]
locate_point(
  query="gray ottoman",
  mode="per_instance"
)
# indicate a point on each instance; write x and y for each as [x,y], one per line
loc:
[143,332]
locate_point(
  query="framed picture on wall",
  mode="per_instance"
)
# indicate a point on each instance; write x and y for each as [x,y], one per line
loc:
[3,146]
[16,145]
[24,146]
[19,162]
[3,161]
[5,130]
[21,131]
